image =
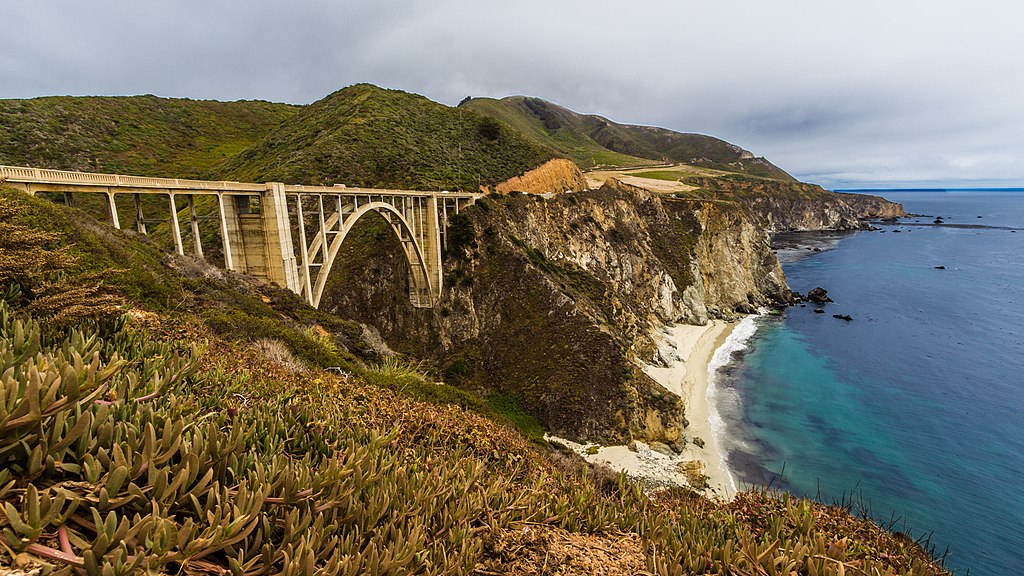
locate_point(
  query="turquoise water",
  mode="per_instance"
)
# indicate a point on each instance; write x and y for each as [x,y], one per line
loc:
[916,407]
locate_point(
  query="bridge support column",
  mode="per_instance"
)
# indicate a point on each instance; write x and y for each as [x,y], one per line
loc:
[175,225]
[113,210]
[195,226]
[307,284]
[140,219]
[432,247]
[280,251]
[231,231]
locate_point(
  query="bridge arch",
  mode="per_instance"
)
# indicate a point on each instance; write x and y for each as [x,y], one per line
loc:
[422,292]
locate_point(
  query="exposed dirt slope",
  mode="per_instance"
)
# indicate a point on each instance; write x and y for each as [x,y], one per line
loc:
[552,177]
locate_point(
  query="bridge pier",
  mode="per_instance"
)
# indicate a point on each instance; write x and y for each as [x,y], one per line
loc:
[277,238]
[175,225]
[112,208]
[194,221]
[432,248]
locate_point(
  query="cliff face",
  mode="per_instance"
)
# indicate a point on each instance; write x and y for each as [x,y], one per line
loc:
[868,206]
[554,176]
[551,302]
[797,206]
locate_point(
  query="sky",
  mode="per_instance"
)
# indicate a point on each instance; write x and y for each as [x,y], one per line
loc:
[844,93]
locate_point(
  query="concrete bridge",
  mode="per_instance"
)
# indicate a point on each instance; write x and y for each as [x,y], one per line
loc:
[259,224]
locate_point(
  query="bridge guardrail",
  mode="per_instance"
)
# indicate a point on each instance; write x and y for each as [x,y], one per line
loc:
[23,174]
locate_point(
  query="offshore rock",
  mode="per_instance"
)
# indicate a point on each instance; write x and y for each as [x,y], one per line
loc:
[818,295]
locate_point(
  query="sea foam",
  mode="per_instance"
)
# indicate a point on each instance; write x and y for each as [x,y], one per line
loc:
[737,340]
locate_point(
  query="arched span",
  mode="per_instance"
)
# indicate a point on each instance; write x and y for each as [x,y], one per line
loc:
[418,269]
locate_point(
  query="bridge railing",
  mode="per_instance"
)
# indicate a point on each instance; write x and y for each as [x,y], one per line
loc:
[27,175]
[348,190]
[46,176]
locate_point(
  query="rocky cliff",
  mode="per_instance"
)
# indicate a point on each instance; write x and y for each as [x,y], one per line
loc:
[781,206]
[552,177]
[871,207]
[552,302]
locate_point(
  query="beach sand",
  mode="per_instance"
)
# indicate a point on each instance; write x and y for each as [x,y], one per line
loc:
[686,351]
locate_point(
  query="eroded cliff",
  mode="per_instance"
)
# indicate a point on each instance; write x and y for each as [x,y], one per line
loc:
[781,206]
[552,302]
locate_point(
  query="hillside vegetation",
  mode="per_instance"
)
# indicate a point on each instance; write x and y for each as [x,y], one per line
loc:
[168,440]
[361,135]
[368,136]
[143,135]
[592,140]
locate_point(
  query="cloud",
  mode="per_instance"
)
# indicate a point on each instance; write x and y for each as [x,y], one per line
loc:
[845,93]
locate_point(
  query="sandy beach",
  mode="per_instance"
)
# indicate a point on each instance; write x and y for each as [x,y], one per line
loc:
[686,352]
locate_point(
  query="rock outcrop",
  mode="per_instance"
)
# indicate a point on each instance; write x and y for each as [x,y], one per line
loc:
[551,302]
[552,177]
[781,206]
[871,207]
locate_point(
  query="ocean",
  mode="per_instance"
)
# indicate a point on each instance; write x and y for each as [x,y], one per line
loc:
[914,409]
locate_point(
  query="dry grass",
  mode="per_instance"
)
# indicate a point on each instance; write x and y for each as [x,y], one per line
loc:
[537,549]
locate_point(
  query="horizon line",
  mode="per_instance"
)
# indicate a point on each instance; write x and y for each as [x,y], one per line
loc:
[936,189]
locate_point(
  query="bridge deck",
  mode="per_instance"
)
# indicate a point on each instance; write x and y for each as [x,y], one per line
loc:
[42,179]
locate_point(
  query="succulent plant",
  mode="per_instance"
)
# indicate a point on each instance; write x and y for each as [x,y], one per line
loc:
[123,453]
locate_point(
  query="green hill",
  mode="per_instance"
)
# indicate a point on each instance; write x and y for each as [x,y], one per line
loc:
[369,136]
[555,127]
[360,135]
[592,140]
[143,135]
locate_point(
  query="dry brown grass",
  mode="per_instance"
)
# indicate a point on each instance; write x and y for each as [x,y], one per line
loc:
[537,549]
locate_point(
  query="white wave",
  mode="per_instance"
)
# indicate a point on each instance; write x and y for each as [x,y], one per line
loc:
[737,340]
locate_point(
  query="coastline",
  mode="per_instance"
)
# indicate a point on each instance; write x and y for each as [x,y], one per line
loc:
[702,413]
[687,356]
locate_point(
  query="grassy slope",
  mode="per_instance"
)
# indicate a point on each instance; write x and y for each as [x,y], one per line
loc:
[368,136]
[593,140]
[143,135]
[313,463]
[559,134]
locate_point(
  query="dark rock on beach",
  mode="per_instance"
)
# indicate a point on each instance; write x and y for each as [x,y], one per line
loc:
[846,317]
[819,310]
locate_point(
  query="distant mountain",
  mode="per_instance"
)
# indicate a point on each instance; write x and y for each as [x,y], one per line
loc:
[370,136]
[133,134]
[592,140]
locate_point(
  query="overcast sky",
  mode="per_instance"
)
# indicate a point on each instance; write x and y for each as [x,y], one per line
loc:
[843,93]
